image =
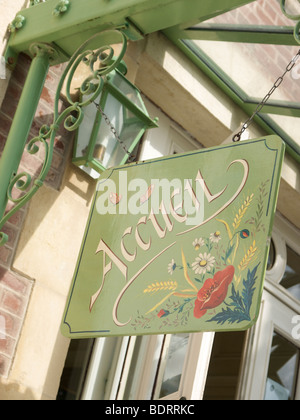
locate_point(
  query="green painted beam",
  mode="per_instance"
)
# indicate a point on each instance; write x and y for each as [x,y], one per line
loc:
[276,35]
[168,13]
[85,18]
[288,109]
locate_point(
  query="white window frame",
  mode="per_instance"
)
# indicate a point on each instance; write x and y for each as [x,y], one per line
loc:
[277,311]
[274,317]
[152,359]
[284,234]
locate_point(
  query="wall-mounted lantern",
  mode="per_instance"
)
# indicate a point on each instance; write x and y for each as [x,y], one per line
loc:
[110,132]
[108,116]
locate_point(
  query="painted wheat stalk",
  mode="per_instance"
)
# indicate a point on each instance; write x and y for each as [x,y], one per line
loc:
[242,211]
[249,256]
[161,286]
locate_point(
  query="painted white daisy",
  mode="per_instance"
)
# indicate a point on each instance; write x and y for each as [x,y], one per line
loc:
[198,243]
[172,267]
[215,237]
[203,263]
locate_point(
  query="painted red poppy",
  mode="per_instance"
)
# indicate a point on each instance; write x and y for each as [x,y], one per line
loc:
[163,313]
[213,292]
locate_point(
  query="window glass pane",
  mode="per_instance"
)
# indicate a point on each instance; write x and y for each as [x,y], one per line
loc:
[85,130]
[283,370]
[224,369]
[291,278]
[129,90]
[75,369]
[174,364]
[272,256]
[128,128]
[261,65]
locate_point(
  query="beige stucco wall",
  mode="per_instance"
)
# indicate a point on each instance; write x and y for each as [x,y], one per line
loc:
[52,234]
[47,252]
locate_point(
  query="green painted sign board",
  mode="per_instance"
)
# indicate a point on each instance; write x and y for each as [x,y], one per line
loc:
[177,244]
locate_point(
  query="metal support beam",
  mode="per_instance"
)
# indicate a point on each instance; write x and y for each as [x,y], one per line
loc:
[22,123]
[240,33]
[83,19]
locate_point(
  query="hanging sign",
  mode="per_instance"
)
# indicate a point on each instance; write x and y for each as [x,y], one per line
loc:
[177,244]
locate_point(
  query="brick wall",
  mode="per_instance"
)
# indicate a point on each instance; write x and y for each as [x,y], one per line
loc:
[260,12]
[15,290]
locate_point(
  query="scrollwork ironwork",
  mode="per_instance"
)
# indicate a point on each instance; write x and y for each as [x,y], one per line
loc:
[292,16]
[101,61]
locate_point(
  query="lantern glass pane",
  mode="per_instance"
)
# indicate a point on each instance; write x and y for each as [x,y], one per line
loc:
[128,90]
[283,369]
[85,130]
[291,278]
[108,151]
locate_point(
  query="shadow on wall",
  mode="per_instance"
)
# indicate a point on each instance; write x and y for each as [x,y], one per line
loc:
[15,392]
[14,289]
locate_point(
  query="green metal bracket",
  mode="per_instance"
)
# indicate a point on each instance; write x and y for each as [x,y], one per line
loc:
[100,66]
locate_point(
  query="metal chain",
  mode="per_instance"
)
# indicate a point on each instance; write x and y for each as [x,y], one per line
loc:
[113,130]
[260,106]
